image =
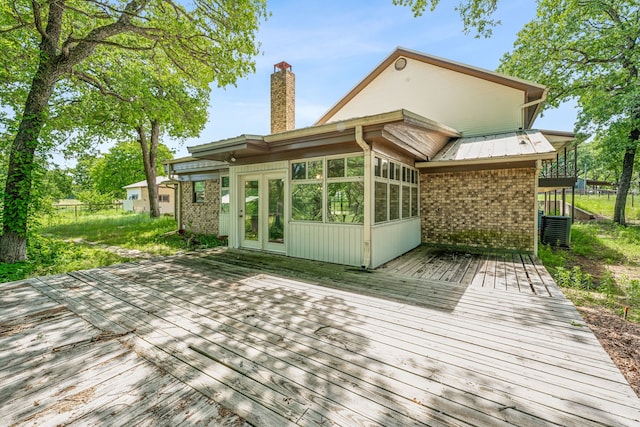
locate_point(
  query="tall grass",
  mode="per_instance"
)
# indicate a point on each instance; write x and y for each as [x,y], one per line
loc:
[588,271]
[83,242]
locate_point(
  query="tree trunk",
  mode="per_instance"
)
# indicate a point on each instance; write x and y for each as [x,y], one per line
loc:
[625,179]
[149,160]
[17,196]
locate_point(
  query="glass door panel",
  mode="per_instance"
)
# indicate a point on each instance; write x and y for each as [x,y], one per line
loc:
[252,210]
[275,187]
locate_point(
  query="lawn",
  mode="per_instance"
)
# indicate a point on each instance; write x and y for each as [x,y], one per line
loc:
[68,243]
[602,268]
[603,204]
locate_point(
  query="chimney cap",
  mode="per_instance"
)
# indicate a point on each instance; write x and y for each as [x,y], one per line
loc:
[281,66]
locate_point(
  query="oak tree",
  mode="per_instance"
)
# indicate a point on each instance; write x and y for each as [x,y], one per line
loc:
[47,47]
[587,50]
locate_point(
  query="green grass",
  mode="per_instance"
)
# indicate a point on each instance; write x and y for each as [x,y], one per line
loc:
[603,205]
[593,271]
[60,248]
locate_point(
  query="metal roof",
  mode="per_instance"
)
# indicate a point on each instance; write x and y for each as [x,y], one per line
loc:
[502,146]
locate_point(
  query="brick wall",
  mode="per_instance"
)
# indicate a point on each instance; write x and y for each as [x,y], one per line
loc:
[485,208]
[282,101]
[200,217]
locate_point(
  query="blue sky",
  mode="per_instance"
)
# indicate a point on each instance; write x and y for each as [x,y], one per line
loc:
[333,44]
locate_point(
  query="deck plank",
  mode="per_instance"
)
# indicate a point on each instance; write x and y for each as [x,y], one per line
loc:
[433,338]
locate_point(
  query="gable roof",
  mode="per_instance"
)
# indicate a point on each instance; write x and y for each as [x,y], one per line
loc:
[159,181]
[535,94]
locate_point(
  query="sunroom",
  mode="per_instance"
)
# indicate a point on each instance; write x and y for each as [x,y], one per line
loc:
[344,192]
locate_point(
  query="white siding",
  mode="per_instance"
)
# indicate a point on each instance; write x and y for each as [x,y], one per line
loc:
[337,243]
[468,104]
[389,241]
[260,167]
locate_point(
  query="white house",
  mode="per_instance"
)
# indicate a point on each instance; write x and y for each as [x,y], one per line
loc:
[138,196]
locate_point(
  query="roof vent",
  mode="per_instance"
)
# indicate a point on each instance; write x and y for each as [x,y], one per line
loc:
[400,64]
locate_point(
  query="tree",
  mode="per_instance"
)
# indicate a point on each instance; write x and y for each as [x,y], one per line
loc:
[151,98]
[475,14]
[587,50]
[48,46]
[122,165]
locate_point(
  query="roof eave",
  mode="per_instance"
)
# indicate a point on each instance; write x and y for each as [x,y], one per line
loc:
[486,160]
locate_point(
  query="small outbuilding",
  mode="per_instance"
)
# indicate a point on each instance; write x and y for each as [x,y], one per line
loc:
[423,149]
[138,196]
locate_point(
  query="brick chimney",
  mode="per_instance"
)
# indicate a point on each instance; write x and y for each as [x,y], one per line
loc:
[283,84]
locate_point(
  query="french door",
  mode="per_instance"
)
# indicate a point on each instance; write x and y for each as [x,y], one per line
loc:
[262,211]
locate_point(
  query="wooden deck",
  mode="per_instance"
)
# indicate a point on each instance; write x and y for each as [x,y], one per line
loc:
[511,272]
[234,337]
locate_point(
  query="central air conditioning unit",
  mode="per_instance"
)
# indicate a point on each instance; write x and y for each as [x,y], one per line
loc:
[556,230]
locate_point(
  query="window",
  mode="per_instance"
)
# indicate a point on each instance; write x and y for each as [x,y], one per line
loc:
[198,192]
[381,202]
[133,197]
[334,184]
[163,198]
[224,195]
[345,190]
[396,191]
[306,170]
[394,201]
[345,202]
[306,190]
[306,202]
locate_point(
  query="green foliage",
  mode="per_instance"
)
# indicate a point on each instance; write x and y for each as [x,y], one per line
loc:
[609,288]
[54,256]
[94,199]
[595,245]
[603,204]
[82,243]
[475,14]
[52,53]
[121,166]
[574,278]
[587,51]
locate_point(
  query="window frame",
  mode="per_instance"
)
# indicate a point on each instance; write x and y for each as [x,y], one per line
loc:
[391,172]
[198,196]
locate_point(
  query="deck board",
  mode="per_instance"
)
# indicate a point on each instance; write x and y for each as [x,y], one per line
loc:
[226,336]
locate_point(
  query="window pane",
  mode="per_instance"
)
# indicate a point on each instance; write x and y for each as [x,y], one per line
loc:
[336,168]
[306,202]
[299,170]
[251,210]
[385,168]
[276,210]
[198,192]
[406,200]
[381,202]
[315,169]
[394,201]
[355,166]
[224,201]
[345,202]
[377,163]
[414,201]
[392,170]
[224,182]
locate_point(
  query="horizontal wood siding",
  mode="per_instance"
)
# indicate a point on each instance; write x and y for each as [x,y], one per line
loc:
[389,241]
[335,243]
